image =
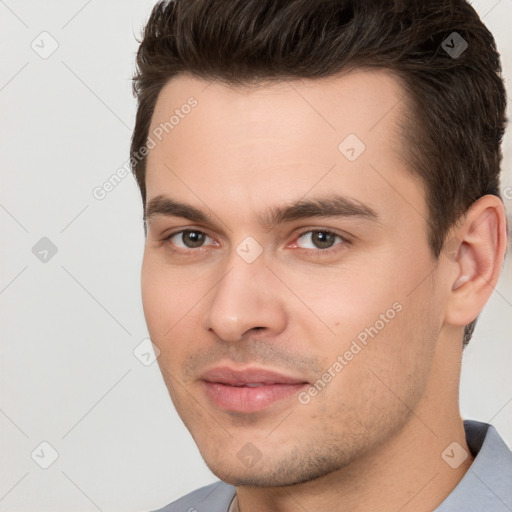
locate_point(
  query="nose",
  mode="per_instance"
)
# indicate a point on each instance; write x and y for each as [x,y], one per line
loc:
[246,298]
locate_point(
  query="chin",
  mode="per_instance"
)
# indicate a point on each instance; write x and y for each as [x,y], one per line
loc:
[284,472]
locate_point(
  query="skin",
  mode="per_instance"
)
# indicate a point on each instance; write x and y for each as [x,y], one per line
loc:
[372,439]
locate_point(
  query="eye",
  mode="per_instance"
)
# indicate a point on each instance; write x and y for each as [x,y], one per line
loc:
[189,239]
[318,240]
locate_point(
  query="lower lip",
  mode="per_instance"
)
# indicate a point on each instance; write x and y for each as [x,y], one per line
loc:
[248,399]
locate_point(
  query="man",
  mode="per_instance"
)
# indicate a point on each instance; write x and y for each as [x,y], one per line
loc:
[323,226]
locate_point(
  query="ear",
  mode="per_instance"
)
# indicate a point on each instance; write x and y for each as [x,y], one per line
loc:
[476,249]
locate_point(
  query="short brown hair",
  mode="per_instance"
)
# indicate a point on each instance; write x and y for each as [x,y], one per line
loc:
[457,100]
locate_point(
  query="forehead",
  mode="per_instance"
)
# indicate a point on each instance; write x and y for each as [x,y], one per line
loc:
[287,138]
[359,101]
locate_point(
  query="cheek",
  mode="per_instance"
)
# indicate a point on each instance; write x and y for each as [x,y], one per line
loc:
[381,379]
[372,316]
[172,299]
[163,298]
[167,292]
[154,296]
[347,298]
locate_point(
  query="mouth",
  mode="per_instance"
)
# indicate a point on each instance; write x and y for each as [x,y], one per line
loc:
[249,390]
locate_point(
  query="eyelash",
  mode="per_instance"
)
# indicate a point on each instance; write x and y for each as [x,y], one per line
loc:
[185,251]
[310,252]
[318,253]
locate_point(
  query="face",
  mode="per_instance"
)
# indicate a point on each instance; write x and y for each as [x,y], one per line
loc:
[287,280]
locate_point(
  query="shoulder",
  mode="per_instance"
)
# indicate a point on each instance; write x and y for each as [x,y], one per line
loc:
[215,497]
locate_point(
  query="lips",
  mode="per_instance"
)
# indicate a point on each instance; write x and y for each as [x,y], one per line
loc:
[248,390]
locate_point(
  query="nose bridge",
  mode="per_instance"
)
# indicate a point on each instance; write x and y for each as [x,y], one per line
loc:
[244,299]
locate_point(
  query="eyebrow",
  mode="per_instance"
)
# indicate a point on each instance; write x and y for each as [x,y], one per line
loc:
[332,205]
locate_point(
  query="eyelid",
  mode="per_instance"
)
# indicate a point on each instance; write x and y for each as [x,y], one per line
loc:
[167,238]
[345,238]
[176,231]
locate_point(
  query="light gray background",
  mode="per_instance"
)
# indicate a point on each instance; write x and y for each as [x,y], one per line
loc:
[70,325]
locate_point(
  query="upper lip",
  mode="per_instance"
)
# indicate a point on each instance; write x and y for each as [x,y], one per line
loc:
[240,377]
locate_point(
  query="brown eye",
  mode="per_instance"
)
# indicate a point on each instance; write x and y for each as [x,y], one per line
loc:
[318,240]
[189,239]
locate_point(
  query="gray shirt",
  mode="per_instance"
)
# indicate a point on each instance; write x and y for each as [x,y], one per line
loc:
[486,486]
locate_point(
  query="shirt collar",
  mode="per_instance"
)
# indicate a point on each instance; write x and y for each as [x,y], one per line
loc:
[487,485]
